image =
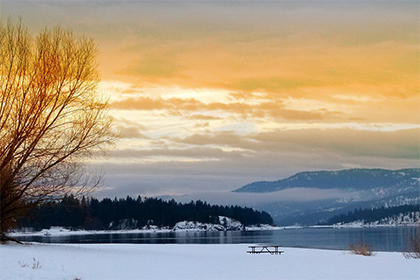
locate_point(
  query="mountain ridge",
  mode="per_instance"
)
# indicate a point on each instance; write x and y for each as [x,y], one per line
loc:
[357,178]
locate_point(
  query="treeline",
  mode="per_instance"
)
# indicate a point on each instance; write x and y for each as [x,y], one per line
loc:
[129,213]
[372,215]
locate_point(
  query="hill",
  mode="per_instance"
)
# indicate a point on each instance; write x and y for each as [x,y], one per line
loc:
[355,188]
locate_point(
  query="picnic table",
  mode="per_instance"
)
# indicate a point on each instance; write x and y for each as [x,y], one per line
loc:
[269,249]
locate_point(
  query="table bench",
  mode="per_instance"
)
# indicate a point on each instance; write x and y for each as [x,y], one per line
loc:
[273,250]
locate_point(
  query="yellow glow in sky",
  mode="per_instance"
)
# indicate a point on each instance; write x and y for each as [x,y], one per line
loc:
[251,89]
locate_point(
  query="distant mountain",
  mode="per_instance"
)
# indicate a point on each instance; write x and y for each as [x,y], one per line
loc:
[371,188]
[357,179]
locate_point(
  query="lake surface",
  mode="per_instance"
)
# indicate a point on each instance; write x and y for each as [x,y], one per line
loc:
[381,239]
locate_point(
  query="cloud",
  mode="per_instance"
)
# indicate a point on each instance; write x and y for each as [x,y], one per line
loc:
[203,117]
[173,154]
[131,132]
[139,103]
[270,46]
[273,47]
[188,106]
[254,199]
[346,142]
[274,84]
[157,66]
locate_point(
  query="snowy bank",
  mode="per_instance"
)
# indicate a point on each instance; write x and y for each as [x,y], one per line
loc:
[60,231]
[172,261]
[181,226]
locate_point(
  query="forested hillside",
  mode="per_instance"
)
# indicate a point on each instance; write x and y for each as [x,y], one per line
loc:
[129,213]
[382,215]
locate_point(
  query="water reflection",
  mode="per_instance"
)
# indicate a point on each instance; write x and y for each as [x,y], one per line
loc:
[381,239]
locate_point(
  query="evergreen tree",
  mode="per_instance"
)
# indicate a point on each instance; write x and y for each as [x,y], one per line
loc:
[94,214]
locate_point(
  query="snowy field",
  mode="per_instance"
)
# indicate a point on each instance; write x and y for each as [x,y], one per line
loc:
[173,261]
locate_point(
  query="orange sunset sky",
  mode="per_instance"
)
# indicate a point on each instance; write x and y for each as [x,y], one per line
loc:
[212,95]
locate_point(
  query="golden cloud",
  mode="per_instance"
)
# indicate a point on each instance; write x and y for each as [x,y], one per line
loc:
[188,107]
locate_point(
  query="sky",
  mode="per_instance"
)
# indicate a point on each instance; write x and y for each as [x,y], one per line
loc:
[209,96]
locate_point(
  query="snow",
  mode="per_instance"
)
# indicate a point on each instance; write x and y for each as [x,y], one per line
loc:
[193,261]
[225,223]
[230,224]
[196,226]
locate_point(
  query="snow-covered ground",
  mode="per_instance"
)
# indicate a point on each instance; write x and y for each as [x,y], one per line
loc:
[173,261]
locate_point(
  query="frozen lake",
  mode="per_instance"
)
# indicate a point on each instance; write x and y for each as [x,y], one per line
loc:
[388,239]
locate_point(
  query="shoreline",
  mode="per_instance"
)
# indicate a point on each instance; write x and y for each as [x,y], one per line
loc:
[61,231]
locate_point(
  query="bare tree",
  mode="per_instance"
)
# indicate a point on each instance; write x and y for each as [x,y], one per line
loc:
[51,117]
